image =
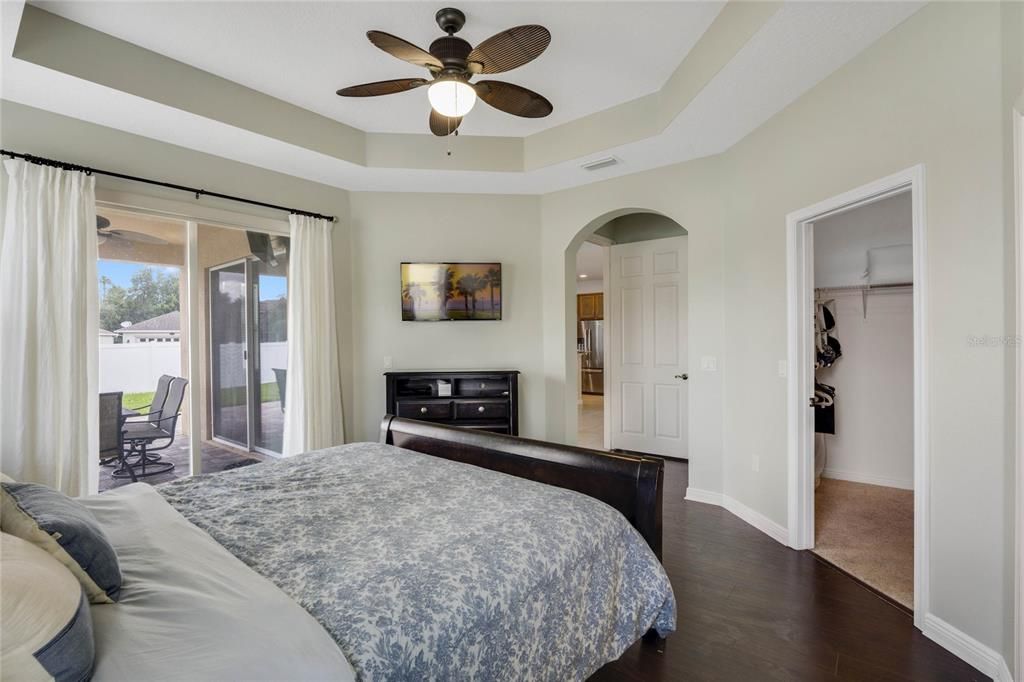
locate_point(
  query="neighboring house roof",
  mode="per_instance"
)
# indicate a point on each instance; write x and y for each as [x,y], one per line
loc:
[104,332]
[168,322]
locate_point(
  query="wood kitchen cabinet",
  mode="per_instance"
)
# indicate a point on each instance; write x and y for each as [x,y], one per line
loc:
[590,306]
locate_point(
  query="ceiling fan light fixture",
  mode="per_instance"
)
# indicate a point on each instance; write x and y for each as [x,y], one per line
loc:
[452,98]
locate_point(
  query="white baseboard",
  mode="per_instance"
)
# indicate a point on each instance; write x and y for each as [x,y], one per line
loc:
[756,519]
[982,657]
[857,477]
[704,496]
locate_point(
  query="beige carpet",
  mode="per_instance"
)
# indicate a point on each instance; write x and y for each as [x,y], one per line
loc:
[868,531]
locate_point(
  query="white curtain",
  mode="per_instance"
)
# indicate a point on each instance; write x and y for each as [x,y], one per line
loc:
[48,328]
[313,414]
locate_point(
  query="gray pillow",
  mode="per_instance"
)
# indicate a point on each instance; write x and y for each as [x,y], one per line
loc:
[54,522]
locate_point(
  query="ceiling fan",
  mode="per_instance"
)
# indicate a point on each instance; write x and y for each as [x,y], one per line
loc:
[103,233]
[452,62]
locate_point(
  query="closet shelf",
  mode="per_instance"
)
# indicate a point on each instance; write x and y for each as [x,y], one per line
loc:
[865,289]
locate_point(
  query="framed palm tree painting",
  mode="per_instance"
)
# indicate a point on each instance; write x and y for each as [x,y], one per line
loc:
[434,292]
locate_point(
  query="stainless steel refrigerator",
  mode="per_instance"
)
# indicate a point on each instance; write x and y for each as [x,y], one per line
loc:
[591,344]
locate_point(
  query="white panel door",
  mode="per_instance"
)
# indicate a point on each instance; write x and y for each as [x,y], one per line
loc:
[646,361]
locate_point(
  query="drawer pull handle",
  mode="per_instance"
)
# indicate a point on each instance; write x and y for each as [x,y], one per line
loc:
[423,410]
[480,409]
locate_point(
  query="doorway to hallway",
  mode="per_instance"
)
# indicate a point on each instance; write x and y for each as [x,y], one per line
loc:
[630,336]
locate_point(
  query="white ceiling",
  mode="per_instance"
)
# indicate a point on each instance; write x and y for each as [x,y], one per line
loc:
[796,48]
[601,53]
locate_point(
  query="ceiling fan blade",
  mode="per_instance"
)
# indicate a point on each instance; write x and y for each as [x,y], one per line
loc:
[509,49]
[513,99]
[114,240]
[442,125]
[404,50]
[382,87]
[139,237]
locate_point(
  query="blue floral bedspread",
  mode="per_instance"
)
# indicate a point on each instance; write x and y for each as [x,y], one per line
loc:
[426,569]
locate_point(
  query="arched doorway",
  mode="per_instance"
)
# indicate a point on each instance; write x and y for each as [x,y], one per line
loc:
[626,275]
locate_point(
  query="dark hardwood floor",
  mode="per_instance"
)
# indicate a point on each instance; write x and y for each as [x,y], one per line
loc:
[751,609]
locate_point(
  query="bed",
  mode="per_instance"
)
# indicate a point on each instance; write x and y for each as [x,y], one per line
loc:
[436,553]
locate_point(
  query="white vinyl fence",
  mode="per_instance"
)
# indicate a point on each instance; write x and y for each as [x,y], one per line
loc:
[136,367]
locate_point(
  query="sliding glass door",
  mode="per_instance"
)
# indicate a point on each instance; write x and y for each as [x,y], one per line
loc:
[229,354]
[249,350]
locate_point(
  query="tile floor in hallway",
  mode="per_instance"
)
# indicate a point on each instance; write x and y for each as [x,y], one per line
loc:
[590,423]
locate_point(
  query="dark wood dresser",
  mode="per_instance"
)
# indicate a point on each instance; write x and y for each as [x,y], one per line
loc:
[485,400]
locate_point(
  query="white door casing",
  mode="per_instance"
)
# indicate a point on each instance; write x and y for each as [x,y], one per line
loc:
[647,347]
[800,306]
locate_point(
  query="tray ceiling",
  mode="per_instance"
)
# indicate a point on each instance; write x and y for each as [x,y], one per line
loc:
[710,87]
[601,54]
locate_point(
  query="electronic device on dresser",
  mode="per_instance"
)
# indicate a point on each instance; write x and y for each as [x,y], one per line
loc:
[485,400]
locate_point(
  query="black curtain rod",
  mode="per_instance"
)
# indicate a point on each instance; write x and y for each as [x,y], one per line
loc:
[170,185]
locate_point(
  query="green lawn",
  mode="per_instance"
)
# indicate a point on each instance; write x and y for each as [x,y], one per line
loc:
[135,401]
[229,397]
[236,395]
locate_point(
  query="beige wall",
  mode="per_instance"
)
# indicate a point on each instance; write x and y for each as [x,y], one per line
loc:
[930,92]
[390,228]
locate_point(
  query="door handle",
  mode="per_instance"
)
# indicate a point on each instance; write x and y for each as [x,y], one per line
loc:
[683,376]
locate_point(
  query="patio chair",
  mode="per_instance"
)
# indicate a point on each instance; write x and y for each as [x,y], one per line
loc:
[159,396]
[140,435]
[111,438]
[155,408]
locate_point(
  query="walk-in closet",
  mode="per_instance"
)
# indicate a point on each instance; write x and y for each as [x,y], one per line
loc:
[864,394]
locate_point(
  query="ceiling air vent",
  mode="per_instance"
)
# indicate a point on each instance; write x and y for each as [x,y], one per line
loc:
[598,164]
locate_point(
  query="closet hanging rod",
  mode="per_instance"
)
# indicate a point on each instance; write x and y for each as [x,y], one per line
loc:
[865,287]
[159,183]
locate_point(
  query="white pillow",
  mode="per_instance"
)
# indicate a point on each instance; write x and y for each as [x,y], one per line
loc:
[47,622]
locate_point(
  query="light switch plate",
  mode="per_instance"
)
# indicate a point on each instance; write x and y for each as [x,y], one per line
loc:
[709,363]
[388,364]
[782,369]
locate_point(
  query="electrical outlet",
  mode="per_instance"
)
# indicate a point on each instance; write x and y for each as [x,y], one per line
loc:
[756,463]
[388,364]
[782,369]
[709,363]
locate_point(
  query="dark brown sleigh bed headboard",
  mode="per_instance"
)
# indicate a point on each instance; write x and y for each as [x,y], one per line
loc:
[630,483]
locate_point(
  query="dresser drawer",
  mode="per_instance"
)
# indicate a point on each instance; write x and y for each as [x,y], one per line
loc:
[425,409]
[481,409]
